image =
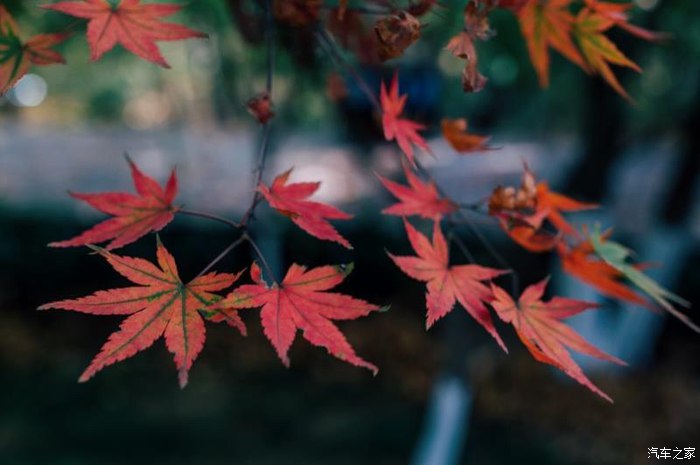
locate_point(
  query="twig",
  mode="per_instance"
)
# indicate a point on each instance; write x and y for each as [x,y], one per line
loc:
[222,255]
[331,48]
[209,216]
[260,255]
[265,138]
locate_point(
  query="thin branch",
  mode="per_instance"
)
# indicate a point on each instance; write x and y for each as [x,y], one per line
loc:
[265,138]
[222,255]
[462,246]
[332,49]
[209,216]
[261,257]
[360,9]
[502,262]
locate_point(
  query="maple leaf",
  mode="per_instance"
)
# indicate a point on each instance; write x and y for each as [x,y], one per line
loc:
[137,27]
[617,12]
[455,133]
[17,57]
[539,328]
[617,255]
[548,23]
[312,217]
[581,263]
[134,216]
[301,302]
[403,130]
[448,284]
[527,232]
[555,204]
[417,198]
[600,51]
[161,305]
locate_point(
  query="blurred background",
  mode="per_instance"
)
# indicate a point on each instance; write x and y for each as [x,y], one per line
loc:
[448,396]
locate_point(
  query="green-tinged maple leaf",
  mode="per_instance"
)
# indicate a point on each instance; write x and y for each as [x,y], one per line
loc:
[161,305]
[617,255]
[17,56]
[598,50]
[545,24]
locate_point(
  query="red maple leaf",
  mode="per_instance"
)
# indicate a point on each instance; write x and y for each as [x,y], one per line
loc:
[134,215]
[403,130]
[17,57]
[300,302]
[312,217]
[137,27]
[417,198]
[448,284]
[539,327]
[161,305]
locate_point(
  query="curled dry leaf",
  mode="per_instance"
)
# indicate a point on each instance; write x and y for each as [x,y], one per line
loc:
[134,216]
[528,206]
[161,305]
[17,57]
[455,133]
[476,27]
[133,25]
[301,302]
[260,107]
[395,33]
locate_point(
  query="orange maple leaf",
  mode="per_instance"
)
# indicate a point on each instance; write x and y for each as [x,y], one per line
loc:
[539,327]
[548,23]
[161,305]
